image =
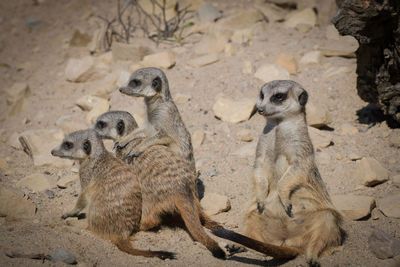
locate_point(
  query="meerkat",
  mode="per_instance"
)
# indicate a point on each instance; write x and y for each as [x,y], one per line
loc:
[291,206]
[122,200]
[111,192]
[173,175]
[165,125]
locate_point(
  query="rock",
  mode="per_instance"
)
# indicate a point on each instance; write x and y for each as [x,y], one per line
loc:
[354,207]
[383,245]
[394,140]
[244,135]
[395,179]
[209,12]
[123,78]
[243,36]
[39,143]
[181,98]
[80,39]
[375,214]
[332,33]
[98,109]
[288,62]
[272,12]
[106,58]
[247,67]
[164,60]
[246,151]
[70,123]
[107,86]
[213,173]
[88,102]
[336,71]
[320,139]
[3,164]
[13,206]
[233,111]
[17,92]
[390,205]
[242,19]
[370,172]
[303,28]
[98,40]
[269,72]
[49,193]
[346,46]
[214,203]
[211,44]
[67,181]
[60,254]
[348,129]
[85,69]
[306,16]
[34,182]
[353,156]
[229,50]
[203,60]
[135,67]
[14,142]
[198,138]
[317,115]
[133,52]
[311,58]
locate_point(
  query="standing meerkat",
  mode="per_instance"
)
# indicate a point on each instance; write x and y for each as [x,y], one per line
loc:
[291,206]
[165,123]
[168,185]
[111,192]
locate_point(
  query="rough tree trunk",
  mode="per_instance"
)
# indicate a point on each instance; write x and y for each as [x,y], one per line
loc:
[376,26]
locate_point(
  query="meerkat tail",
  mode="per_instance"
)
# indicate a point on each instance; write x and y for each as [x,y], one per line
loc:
[190,215]
[125,245]
[278,252]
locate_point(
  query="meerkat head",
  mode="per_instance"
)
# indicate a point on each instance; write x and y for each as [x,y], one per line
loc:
[281,99]
[148,83]
[115,124]
[80,145]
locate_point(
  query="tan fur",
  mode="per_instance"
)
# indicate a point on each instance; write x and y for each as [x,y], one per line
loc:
[112,192]
[168,187]
[291,206]
[165,125]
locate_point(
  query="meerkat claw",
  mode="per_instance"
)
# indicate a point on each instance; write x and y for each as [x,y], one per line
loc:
[132,155]
[260,207]
[288,210]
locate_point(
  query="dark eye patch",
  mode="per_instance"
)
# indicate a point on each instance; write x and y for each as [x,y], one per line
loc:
[156,84]
[101,124]
[87,147]
[278,98]
[120,127]
[261,95]
[135,83]
[67,145]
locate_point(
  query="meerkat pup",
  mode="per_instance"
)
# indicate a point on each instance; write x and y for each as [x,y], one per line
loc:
[111,192]
[165,124]
[291,206]
[168,186]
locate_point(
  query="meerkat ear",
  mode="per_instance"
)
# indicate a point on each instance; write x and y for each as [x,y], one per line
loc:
[157,84]
[87,147]
[303,97]
[120,127]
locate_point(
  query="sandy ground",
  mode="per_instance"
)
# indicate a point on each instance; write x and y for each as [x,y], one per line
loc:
[44,51]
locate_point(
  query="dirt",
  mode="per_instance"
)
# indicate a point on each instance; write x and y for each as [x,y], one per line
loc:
[43,51]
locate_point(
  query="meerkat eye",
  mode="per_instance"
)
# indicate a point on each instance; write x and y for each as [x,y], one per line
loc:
[278,98]
[67,145]
[135,83]
[156,84]
[87,147]
[101,124]
[120,127]
[261,95]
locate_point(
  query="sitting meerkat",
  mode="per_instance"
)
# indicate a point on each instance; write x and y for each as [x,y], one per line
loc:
[165,125]
[291,206]
[111,192]
[165,177]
